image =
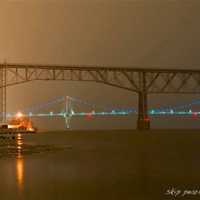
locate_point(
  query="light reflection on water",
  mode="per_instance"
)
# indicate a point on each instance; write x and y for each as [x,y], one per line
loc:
[19,163]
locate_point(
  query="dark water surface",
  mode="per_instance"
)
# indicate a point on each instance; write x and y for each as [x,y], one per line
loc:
[99,165]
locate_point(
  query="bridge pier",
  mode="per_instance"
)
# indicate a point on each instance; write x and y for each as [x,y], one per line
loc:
[143,122]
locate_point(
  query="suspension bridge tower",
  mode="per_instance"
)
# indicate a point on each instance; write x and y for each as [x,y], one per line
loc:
[68,110]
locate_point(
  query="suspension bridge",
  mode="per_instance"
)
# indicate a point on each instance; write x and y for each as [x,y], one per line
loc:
[67,107]
[142,81]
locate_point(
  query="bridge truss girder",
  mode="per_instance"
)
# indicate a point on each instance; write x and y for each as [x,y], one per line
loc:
[21,74]
[139,80]
[158,81]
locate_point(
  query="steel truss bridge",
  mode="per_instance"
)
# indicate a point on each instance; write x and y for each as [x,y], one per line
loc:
[142,81]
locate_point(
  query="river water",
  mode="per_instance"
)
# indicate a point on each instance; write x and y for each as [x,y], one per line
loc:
[98,165]
[64,166]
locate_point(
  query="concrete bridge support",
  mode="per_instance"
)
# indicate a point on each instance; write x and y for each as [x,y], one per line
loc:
[143,122]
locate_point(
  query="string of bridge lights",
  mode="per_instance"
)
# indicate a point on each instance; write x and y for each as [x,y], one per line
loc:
[107,110]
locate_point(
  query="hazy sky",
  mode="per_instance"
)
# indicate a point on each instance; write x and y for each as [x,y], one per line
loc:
[116,32]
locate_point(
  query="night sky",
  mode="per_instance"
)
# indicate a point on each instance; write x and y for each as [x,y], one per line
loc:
[142,33]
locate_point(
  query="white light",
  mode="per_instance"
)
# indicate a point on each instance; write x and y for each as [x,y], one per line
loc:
[19,115]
